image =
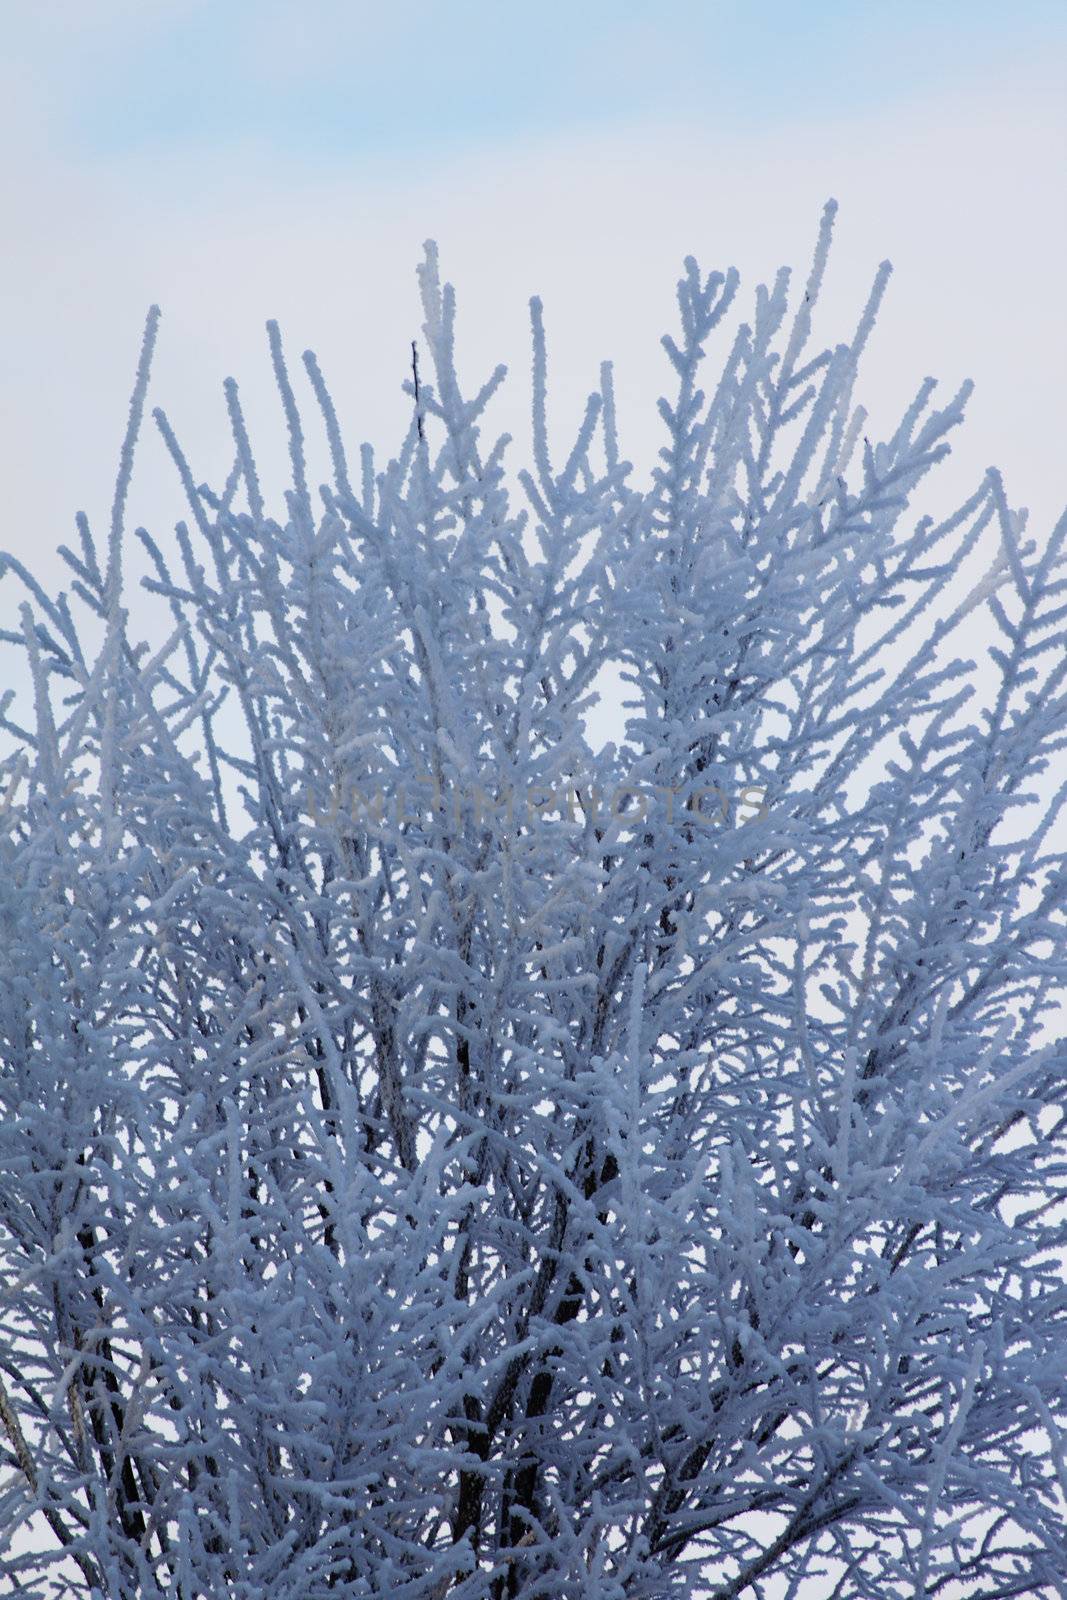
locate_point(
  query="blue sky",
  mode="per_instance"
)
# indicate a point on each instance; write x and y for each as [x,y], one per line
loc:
[323,80]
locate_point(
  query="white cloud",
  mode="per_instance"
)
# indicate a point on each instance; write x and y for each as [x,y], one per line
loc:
[956,192]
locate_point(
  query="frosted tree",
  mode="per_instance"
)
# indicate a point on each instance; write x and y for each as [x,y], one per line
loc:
[444,1157]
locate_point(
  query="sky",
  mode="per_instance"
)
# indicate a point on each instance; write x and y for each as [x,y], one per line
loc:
[239,161]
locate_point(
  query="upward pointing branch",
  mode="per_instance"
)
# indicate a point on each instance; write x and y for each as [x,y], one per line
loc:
[418,402]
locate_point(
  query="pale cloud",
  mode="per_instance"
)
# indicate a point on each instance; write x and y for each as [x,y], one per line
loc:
[955,188]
